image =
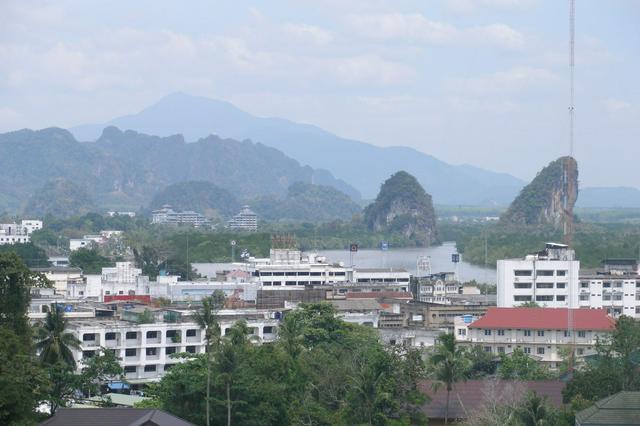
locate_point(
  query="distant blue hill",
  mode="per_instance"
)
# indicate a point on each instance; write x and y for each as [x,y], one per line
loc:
[611,197]
[362,165]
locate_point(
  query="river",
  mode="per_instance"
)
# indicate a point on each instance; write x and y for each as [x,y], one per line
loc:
[407,258]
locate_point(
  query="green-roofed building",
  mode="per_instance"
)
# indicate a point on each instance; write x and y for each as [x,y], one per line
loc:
[620,409]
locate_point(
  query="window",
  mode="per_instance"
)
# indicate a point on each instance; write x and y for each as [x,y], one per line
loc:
[582,333]
[522,273]
[540,333]
[130,369]
[170,350]
[606,284]
[580,351]
[561,273]
[617,284]
[171,334]
[291,283]
[606,297]
[88,354]
[462,332]
[522,285]
[191,332]
[110,336]
[584,284]
[152,334]
[544,285]
[132,335]
[500,332]
[487,332]
[130,352]
[191,349]
[500,349]
[561,285]
[560,298]
[267,329]
[152,351]
[487,348]
[88,337]
[149,368]
[617,297]
[527,350]
[522,298]
[527,333]
[584,297]
[540,351]
[544,298]
[567,333]
[544,273]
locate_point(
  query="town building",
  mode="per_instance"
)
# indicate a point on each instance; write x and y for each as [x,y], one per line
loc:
[622,408]
[245,220]
[145,338]
[541,333]
[167,216]
[18,233]
[96,416]
[61,277]
[549,278]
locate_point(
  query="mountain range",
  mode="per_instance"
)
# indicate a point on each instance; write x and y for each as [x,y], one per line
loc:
[362,165]
[126,169]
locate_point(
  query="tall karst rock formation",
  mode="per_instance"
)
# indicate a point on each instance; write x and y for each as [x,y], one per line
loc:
[542,201]
[403,206]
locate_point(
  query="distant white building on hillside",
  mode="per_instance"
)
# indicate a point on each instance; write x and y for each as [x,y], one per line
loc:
[166,215]
[246,220]
[549,278]
[18,233]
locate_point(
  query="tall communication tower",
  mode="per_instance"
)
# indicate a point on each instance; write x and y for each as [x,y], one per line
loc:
[569,176]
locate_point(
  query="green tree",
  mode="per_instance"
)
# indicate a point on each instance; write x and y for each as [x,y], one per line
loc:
[22,381]
[519,366]
[207,320]
[89,260]
[32,255]
[625,342]
[99,369]
[54,342]
[448,363]
[482,363]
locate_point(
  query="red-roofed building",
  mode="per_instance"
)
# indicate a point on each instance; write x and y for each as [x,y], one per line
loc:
[539,332]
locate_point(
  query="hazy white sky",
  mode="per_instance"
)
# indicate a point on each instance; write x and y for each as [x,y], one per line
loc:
[483,82]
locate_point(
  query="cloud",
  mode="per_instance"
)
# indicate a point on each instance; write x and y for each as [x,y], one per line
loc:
[616,105]
[514,79]
[310,33]
[416,28]
[472,6]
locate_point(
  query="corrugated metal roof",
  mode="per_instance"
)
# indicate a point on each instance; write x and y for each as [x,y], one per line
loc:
[113,417]
[622,408]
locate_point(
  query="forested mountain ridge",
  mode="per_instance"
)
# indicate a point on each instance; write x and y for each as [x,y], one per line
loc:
[403,206]
[307,202]
[362,165]
[125,169]
[541,202]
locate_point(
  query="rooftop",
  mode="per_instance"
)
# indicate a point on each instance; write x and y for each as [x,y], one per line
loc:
[113,417]
[544,319]
[380,294]
[622,408]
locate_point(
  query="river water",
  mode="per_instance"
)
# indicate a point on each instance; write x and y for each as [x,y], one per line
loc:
[407,258]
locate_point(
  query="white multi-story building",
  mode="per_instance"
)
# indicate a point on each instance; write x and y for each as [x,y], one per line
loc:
[18,233]
[246,220]
[61,277]
[617,294]
[549,278]
[542,333]
[166,215]
[290,269]
[145,350]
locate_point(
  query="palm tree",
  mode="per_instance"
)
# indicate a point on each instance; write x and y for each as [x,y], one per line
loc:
[53,342]
[449,364]
[231,352]
[207,320]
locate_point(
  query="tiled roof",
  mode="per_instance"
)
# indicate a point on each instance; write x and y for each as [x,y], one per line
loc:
[472,395]
[622,408]
[113,417]
[544,319]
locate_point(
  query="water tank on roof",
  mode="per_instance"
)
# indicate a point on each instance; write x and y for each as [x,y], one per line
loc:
[467,318]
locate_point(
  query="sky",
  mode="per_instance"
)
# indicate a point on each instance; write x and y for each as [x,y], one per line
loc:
[482,82]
